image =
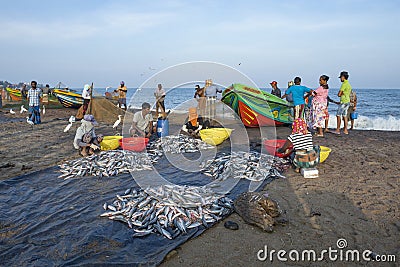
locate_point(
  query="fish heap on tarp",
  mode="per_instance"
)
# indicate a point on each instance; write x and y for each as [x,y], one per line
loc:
[107,163]
[114,162]
[252,166]
[176,144]
[169,210]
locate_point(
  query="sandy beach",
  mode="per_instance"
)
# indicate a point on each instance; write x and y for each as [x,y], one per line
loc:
[355,197]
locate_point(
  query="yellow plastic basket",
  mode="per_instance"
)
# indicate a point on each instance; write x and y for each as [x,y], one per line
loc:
[110,142]
[324,153]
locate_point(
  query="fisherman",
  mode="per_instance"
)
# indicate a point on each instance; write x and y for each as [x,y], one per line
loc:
[194,123]
[304,155]
[142,124]
[275,90]
[159,93]
[121,90]
[86,98]
[211,96]
[86,139]
[297,92]
[200,96]
[34,96]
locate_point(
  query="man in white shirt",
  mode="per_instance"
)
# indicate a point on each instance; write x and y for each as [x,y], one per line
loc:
[142,124]
[86,97]
[159,93]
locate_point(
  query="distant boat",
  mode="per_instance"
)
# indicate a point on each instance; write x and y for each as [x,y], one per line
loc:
[68,99]
[15,94]
[257,108]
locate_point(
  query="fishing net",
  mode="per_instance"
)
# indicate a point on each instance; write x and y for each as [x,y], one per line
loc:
[46,220]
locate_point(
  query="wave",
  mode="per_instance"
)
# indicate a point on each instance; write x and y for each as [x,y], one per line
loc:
[386,123]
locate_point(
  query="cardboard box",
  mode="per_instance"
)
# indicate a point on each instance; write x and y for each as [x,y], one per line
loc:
[309,172]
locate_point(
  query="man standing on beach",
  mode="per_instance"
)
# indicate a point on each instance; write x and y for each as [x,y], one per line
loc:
[122,94]
[159,93]
[211,96]
[34,95]
[344,94]
[275,90]
[297,92]
[352,108]
[86,97]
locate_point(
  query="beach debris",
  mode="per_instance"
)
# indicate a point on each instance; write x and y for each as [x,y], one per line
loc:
[66,129]
[23,109]
[176,144]
[146,213]
[252,166]
[117,122]
[71,119]
[231,225]
[12,111]
[107,163]
[29,121]
[257,209]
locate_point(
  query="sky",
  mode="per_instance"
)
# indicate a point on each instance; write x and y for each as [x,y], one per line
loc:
[78,42]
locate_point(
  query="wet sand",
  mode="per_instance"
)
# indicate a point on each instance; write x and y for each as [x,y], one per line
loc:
[355,196]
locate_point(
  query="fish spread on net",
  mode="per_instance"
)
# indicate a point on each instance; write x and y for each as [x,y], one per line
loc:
[114,162]
[154,210]
[252,166]
[176,144]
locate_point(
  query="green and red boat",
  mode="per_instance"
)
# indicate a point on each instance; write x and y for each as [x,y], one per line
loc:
[257,108]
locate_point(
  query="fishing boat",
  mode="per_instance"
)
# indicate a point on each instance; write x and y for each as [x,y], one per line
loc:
[215,136]
[68,98]
[15,94]
[257,108]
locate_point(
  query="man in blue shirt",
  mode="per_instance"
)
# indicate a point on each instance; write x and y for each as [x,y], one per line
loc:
[211,96]
[297,92]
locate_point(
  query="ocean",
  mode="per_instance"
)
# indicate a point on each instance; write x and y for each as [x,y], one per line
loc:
[378,109]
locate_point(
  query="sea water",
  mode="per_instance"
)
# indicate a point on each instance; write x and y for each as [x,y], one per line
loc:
[378,109]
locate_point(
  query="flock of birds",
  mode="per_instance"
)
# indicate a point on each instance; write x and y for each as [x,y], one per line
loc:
[23,109]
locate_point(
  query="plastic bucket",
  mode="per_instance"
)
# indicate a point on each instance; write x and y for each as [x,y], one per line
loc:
[162,127]
[353,115]
[272,145]
[134,143]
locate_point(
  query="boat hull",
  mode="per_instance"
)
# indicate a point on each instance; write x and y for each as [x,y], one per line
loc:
[69,99]
[257,108]
[14,94]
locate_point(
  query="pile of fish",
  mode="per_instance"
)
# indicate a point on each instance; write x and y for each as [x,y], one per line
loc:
[252,166]
[158,210]
[107,163]
[176,144]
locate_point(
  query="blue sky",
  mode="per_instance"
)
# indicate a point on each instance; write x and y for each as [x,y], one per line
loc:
[79,42]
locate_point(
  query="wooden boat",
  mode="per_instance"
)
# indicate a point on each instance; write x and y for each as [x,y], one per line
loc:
[257,108]
[15,94]
[68,98]
[215,136]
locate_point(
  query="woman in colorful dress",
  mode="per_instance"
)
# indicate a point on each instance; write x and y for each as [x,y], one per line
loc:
[320,105]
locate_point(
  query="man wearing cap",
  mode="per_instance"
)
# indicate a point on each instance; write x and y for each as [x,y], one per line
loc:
[121,90]
[194,124]
[142,124]
[211,96]
[86,97]
[86,139]
[344,94]
[275,90]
